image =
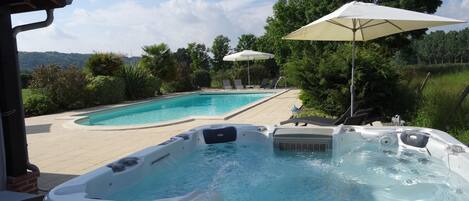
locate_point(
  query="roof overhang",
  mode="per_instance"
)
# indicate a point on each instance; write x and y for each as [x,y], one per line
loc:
[20,6]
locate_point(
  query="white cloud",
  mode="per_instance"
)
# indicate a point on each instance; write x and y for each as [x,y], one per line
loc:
[458,9]
[128,25]
[465,4]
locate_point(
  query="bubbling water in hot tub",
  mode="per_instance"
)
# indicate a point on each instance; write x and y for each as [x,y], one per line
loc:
[358,168]
[396,173]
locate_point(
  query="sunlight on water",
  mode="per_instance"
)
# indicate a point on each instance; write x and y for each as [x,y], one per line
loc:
[256,172]
[174,109]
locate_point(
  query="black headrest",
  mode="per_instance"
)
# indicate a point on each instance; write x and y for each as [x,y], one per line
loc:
[220,135]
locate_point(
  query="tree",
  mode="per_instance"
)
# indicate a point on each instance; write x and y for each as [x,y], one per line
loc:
[246,42]
[301,60]
[289,15]
[184,72]
[182,56]
[440,47]
[220,48]
[159,61]
[199,56]
[465,44]
[107,64]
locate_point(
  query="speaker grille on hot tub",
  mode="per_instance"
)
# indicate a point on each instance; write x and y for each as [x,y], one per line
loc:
[303,139]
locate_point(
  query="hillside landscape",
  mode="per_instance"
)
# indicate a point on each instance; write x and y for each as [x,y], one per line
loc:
[30,60]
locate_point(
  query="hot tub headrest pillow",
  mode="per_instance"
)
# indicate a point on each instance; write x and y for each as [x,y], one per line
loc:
[219,135]
[415,138]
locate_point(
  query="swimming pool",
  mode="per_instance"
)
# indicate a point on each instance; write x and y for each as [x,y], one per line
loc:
[248,162]
[172,109]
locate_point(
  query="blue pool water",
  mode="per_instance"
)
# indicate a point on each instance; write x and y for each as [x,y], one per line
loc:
[173,109]
[255,172]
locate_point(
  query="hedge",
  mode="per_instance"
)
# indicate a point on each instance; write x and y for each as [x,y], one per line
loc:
[106,89]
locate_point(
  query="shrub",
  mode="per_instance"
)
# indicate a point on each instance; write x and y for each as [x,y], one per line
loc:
[25,79]
[107,89]
[38,104]
[69,91]
[139,83]
[64,86]
[45,76]
[201,78]
[182,81]
[176,86]
[326,83]
[167,87]
[107,64]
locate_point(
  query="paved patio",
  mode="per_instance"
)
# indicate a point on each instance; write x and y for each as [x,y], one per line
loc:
[63,153]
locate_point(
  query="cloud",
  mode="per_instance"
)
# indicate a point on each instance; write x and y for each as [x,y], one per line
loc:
[465,3]
[458,9]
[126,26]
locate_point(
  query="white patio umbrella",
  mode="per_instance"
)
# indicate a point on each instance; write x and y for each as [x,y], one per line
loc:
[358,21]
[248,55]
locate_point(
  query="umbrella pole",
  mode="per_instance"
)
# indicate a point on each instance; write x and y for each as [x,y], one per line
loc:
[353,69]
[249,77]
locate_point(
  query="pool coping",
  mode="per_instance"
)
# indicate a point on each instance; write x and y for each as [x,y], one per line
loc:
[71,123]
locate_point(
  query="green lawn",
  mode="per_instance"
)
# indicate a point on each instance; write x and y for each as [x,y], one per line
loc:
[26,93]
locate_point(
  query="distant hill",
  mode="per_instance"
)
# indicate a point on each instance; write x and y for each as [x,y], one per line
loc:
[30,60]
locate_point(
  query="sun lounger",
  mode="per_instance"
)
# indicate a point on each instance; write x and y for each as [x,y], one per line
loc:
[238,84]
[357,119]
[264,84]
[227,84]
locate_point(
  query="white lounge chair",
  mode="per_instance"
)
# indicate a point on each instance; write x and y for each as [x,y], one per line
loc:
[238,84]
[227,84]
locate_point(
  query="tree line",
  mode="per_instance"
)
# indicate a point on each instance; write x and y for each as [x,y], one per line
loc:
[30,60]
[441,47]
[321,69]
[204,65]
[107,78]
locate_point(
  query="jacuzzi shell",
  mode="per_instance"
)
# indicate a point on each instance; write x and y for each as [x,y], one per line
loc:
[104,181]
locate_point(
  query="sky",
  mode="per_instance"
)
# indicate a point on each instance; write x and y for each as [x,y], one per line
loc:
[124,26]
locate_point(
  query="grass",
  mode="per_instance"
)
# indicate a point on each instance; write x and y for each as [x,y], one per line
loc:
[437,68]
[437,105]
[26,93]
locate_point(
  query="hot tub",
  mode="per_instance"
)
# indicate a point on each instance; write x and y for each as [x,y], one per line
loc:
[250,162]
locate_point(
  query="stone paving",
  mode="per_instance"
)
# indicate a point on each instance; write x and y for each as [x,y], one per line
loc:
[63,153]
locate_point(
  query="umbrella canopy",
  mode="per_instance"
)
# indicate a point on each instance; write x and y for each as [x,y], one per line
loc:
[369,21]
[358,21]
[248,55]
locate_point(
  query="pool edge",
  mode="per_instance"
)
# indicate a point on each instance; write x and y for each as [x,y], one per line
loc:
[72,123]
